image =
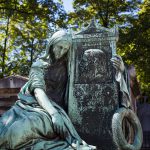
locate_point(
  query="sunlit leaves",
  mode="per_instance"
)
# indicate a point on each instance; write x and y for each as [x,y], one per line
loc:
[30,22]
[135,44]
[107,12]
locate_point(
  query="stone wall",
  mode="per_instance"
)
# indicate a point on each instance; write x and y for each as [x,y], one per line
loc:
[9,88]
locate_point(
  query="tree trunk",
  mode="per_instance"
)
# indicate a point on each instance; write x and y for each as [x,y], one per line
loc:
[5,47]
[32,49]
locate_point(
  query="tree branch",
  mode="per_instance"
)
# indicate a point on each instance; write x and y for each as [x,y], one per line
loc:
[13,9]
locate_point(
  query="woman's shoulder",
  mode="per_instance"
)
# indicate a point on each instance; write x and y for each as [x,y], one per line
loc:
[40,63]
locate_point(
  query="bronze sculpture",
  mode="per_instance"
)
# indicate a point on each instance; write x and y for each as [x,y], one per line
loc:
[36,121]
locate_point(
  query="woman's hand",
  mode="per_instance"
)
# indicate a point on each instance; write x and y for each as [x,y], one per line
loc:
[58,125]
[44,102]
[118,63]
[82,146]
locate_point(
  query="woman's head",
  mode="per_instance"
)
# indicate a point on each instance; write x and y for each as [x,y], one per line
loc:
[58,46]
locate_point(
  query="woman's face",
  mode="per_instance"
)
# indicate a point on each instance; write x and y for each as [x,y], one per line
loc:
[60,48]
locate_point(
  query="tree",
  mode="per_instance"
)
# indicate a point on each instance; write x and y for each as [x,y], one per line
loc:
[107,12]
[4,37]
[26,25]
[136,44]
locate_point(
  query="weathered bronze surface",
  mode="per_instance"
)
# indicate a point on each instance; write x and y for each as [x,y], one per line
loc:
[93,93]
[99,98]
[35,121]
[85,77]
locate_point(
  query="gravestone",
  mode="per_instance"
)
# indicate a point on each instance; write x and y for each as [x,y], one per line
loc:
[93,94]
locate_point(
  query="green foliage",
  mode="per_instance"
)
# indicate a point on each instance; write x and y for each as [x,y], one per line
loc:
[107,12]
[25,26]
[135,46]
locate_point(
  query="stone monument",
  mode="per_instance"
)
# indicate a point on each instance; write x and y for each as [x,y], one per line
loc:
[93,90]
[93,96]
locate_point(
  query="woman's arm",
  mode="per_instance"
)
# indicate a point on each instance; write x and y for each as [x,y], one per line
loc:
[120,68]
[37,88]
[44,102]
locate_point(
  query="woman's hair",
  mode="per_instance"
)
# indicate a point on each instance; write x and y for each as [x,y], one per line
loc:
[56,37]
[51,54]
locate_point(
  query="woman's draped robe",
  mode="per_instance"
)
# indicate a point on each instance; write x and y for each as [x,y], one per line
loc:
[26,124]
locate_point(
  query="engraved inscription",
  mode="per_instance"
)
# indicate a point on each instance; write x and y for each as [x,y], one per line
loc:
[95,108]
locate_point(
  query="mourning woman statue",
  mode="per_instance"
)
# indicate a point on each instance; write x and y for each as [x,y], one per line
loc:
[36,122]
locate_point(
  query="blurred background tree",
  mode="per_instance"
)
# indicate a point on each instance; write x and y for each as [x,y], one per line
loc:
[26,24]
[107,12]
[134,45]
